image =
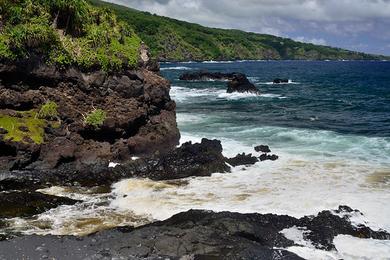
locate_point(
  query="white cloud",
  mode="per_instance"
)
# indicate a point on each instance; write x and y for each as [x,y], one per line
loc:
[318,41]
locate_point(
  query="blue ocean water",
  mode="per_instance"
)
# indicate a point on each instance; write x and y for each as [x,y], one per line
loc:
[351,97]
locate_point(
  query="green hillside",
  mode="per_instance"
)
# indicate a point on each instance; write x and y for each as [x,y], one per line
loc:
[170,39]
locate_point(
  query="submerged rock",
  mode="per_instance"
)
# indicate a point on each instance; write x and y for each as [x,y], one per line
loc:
[196,234]
[28,203]
[280,81]
[241,84]
[242,159]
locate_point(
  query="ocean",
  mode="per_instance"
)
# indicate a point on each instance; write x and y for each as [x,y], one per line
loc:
[330,126]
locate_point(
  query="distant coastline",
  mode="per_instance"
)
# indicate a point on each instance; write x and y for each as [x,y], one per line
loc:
[173,40]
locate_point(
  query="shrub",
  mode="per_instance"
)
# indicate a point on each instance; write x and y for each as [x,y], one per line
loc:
[95,118]
[67,32]
[48,110]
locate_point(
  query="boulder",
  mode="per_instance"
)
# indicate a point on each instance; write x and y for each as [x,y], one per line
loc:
[265,157]
[242,159]
[262,149]
[241,84]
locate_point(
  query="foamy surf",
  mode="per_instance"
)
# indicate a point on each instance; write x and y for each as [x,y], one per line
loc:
[290,82]
[176,68]
[182,94]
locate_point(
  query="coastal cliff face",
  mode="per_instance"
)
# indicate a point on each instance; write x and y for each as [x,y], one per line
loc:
[139,116]
[77,86]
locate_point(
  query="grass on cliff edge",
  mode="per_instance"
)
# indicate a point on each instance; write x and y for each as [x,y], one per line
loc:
[66,32]
[12,125]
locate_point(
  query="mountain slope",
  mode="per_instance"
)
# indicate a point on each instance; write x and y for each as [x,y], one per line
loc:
[170,39]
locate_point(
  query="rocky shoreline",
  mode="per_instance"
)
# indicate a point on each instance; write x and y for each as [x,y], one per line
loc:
[196,234]
[137,138]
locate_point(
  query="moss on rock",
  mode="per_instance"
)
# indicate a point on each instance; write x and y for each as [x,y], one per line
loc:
[23,128]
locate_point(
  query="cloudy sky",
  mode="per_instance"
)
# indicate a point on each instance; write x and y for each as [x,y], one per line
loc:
[362,25]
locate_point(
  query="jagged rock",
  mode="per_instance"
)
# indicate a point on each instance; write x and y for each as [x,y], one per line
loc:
[265,157]
[200,159]
[242,159]
[241,84]
[263,149]
[205,75]
[280,81]
[325,226]
[140,120]
[196,234]
[28,203]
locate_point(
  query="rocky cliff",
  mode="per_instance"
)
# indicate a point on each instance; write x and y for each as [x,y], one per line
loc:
[137,114]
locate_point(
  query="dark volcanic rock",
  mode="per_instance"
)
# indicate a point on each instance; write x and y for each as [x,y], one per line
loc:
[189,160]
[325,226]
[27,203]
[206,75]
[141,118]
[196,234]
[242,159]
[201,159]
[265,157]
[241,84]
[262,149]
[280,81]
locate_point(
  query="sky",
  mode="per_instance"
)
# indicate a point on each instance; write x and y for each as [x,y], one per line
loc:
[360,25]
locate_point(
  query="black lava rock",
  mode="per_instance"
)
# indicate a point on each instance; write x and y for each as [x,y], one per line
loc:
[262,149]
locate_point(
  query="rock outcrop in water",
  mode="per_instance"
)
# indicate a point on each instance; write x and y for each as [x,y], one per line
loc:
[280,81]
[238,82]
[205,75]
[189,160]
[28,203]
[201,159]
[137,115]
[195,234]
[241,84]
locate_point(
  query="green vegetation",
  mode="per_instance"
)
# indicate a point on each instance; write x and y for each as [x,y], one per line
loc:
[25,126]
[48,110]
[170,39]
[66,32]
[96,118]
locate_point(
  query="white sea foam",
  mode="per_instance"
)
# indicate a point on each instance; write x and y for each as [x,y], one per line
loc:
[217,62]
[182,94]
[361,249]
[290,82]
[176,68]
[296,185]
[348,247]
